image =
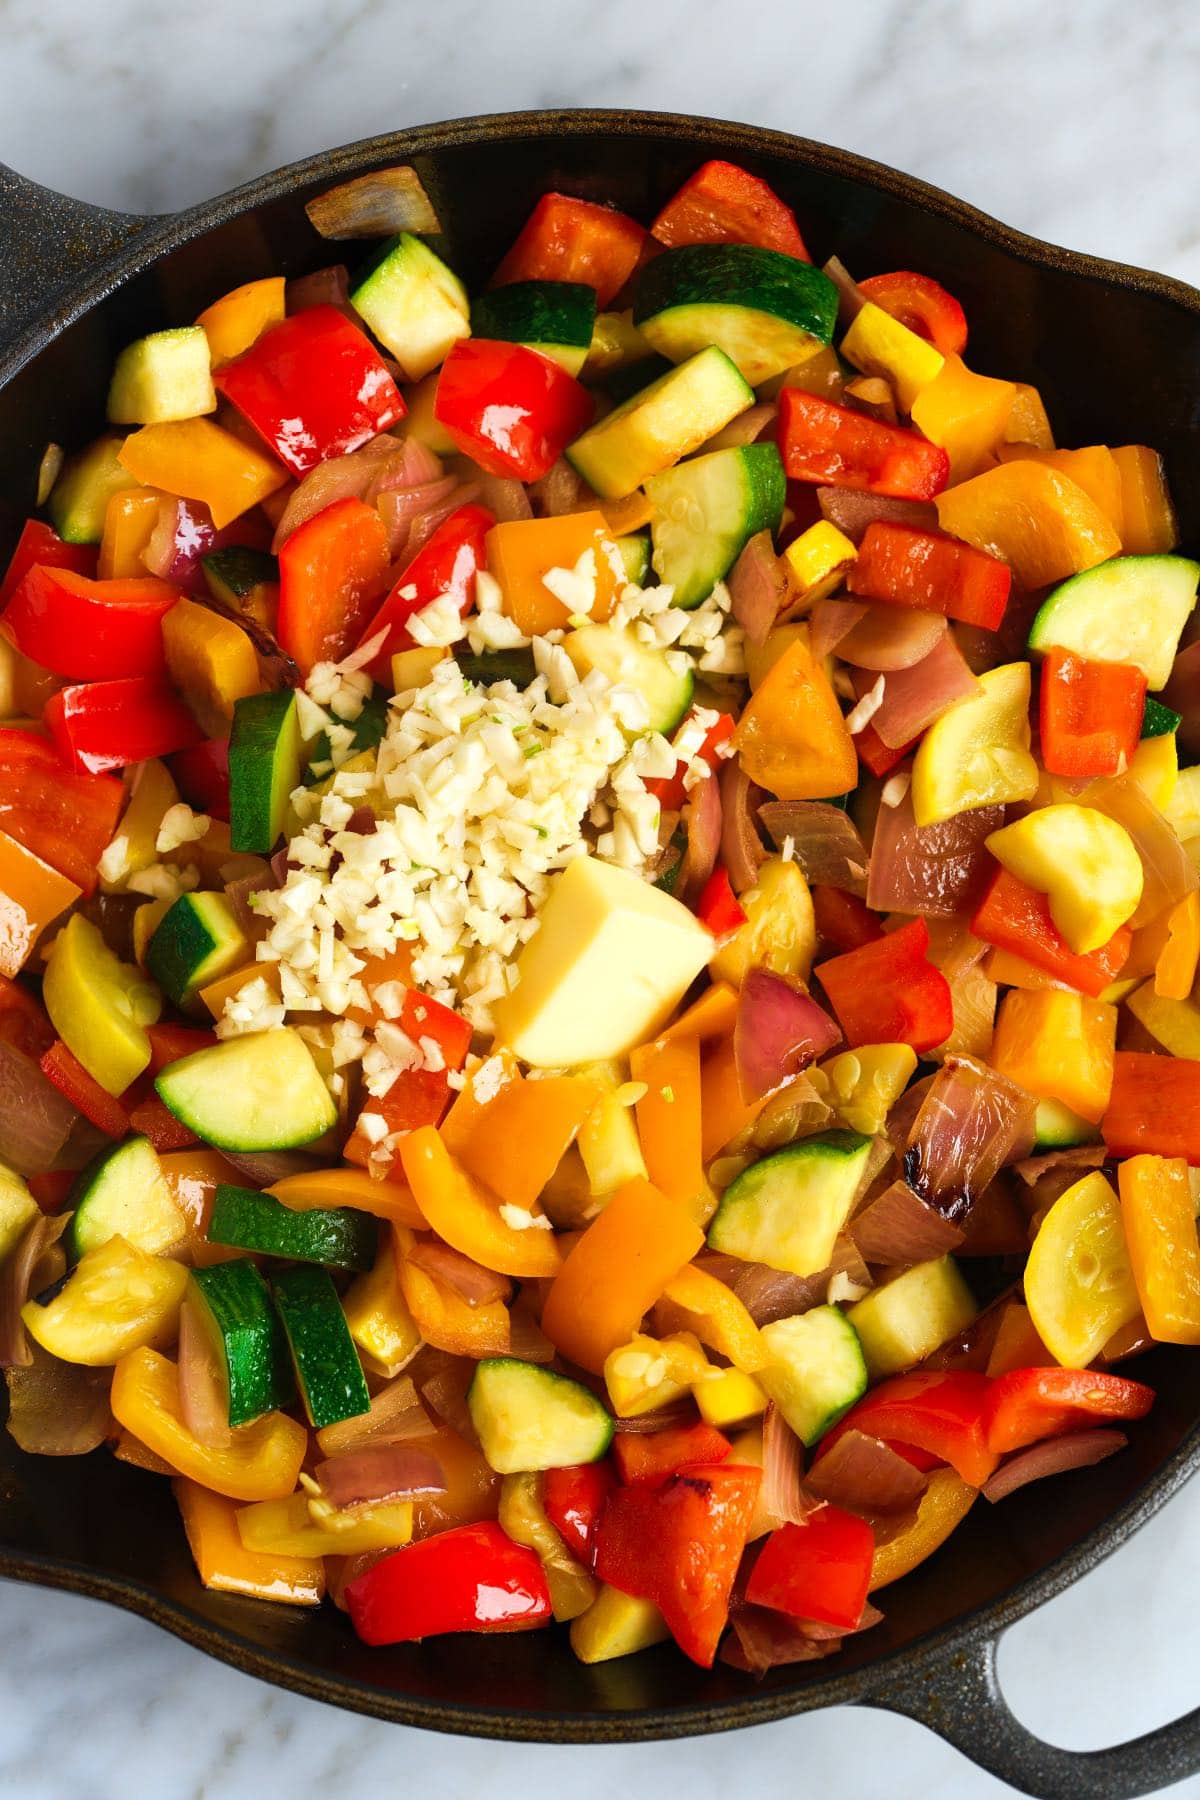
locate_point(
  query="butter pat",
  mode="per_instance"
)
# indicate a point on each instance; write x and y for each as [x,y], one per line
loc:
[612,958]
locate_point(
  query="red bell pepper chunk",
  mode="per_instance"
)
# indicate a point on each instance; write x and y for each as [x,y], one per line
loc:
[63,816]
[1154,1107]
[90,629]
[574,1499]
[509,409]
[670,790]
[876,756]
[1029,1404]
[648,1459]
[819,1570]
[942,1412]
[565,239]
[109,724]
[472,1578]
[679,1545]
[1016,917]
[923,305]
[332,571]
[168,1042]
[418,1097]
[72,1079]
[723,204]
[844,920]
[152,1119]
[1090,714]
[313,386]
[23,1023]
[447,564]
[838,447]
[423,1017]
[923,568]
[718,906]
[202,777]
[888,992]
[39,546]
[52,1189]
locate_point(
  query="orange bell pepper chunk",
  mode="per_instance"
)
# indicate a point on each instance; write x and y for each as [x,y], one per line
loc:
[944,1504]
[232,323]
[1094,469]
[1006,969]
[192,1176]
[32,895]
[668,1121]
[1150,522]
[211,661]
[1058,1045]
[223,1562]
[218,992]
[792,738]
[202,461]
[391,1200]
[1159,1217]
[442,1316]
[1017,1344]
[472,1490]
[521,553]
[713,1015]
[1034,518]
[462,1212]
[1028,422]
[616,1272]
[1175,969]
[129,521]
[699,1303]
[513,1140]
[724,1114]
[378,971]
[966,414]
[262,1461]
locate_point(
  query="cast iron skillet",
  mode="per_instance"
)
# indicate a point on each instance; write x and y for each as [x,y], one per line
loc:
[1116,353]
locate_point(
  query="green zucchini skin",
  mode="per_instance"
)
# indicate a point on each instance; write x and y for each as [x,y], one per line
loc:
[329,1374]
[234,1306]
[265,760]
[336,1237]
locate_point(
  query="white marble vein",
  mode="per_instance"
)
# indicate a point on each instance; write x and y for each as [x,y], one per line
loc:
[1074,121]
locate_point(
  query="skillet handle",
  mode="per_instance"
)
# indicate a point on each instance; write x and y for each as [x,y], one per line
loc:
[49,243]
[959,1698]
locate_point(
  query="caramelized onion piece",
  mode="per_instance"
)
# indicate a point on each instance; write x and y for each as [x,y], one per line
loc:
[379,204]
[866,1475]
[1077,1450]
[899,1228]
[825,842]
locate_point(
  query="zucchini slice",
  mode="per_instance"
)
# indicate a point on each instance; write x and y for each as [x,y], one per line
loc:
[765,310]
[163,377]
[233,1305]
[265,759]
[817,1369]
[198,941]
[905,1321]
[530,1418]
[787,1209]
[706,510]
[123,1193]
[623,658]
[1131,609]
[660,423]
[117,1298]
[555,318]
[338,1237]
[328,1372]
[415,305]
[258,1092]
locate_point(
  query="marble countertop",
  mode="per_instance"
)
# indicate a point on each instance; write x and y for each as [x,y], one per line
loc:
[1077,123]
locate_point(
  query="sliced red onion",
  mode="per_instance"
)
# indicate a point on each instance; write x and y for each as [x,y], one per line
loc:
[239,894]
[527,1342]
[378,1472]
[1077,1450]
[930,869]
[759,586]
[760,1639]
[1081,1157]
[263,1168]
[442,1381]
[887,638]
[35,1119]
[852,511]
[379,204]
[324,287]
[899,1228]
[19,1278]
[914,698]
[783,1495]
[780,1029]
[850,298]
[416,512]
[112,915]
[742,849]
[749,427]
[793,1111]
[57,1408]
[831,621]
[825,841]
[1182,692]
[203,1400]
[395,1417]
[663,1418]
[866,1475]
[561,491]
[972,1121]
[702,817]
[902,1116]
[1168,872]
[476,1285]
[504,497]
[359,476]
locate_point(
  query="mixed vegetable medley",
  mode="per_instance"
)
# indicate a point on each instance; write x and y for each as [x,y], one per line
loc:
[599,925]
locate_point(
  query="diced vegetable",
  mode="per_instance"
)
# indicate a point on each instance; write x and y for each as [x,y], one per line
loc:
[123,1193]
[234,1308]
[529,1418]
[258,1092]
[328,1372]
[816,1370]
[787,1209]
[117,1299]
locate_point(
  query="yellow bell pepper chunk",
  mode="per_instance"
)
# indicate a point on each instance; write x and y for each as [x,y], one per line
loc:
[818,559]
[1155,768]
[878,344]
[262,1461]
[616,1624]
[289,1526]
[616,342]
[696,1302]
[1007,969]
[1083,861]
[863,1085]
[1175,1023]
[1079,1284]
[211,661]
[761,658]
[1058,1045]
[966,414]
[32,896]
[129,521]
[608,1142]
[1182,810]
[780,932]
[1150,523]
[1028,422]
[668,1122]
[1034,518]
[118,1299]
[524,1519]
[202,461]
[944,1505]
[728,1397]
[792,738]
[223,1562]
[1093,468]
[414,668]
[378,1317]
[647,1372]
[1159,1215]
[100,1007]
[977,754]
[234,322]
[134,847]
